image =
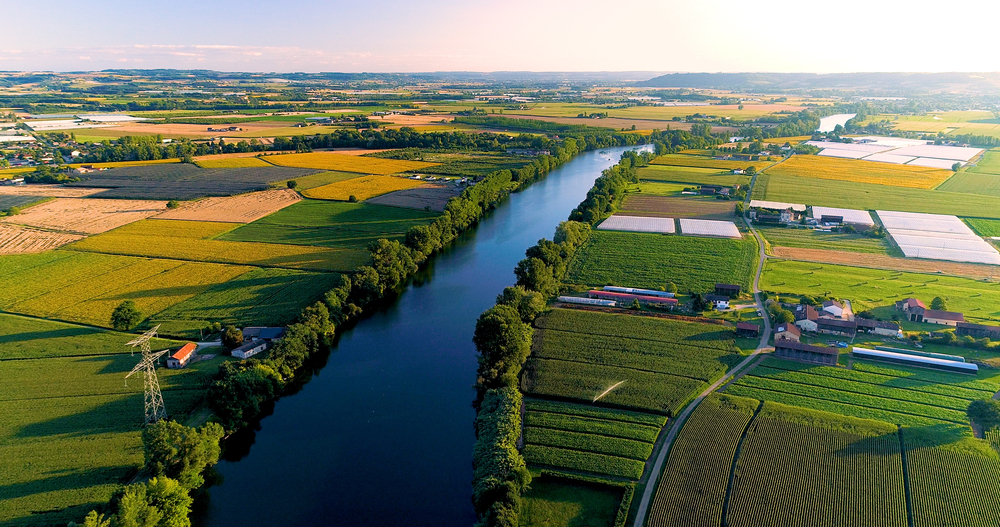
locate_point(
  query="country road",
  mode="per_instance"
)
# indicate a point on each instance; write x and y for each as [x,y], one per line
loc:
[674,425]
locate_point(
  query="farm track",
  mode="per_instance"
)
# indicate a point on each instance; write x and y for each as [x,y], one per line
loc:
[672,429]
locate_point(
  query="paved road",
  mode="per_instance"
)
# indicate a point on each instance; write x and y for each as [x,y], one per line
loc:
[675,424]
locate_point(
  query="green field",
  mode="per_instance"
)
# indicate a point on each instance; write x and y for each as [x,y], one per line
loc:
[6,202]
[317,180]
[691,175]
[551,502]
[652,260]
[989,163]
[969,182]
[868,196]
[331,224]
[835,241]
[984,227]
[69,420]
[871,288]
[693,485]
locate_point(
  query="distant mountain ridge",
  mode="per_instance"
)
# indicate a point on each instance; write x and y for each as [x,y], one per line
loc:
[881,82]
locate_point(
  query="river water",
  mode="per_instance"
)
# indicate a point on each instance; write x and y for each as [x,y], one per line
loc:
[382,435]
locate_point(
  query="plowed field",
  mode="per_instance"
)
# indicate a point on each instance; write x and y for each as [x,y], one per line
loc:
[678,207]
[881,261]
[244,208]
[87,216]
[15,239]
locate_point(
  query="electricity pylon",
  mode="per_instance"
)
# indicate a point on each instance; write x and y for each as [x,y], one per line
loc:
[152,397]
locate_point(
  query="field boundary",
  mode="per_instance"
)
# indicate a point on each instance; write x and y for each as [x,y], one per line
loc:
[732,468]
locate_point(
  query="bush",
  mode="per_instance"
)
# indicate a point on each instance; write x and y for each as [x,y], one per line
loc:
[232,337]
[529,304]
[292,184]
[352,198]
[173,204]
[126,316]
[985,412]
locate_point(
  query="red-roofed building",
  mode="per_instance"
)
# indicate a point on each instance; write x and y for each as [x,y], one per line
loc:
[182,357]
[914,309]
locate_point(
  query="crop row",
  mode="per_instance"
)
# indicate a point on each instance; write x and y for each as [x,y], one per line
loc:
[845,385]
[645,328]
[793,474]
[901,405]
[698,363]
[583,461]
[596,443]
[862,412]
[952,488]
[656,392]
[892,381]
[693,485]
[597,412]
[573,423]
[704,162]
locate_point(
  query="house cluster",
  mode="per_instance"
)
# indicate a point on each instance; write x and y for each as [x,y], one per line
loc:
[832,318]
[528,152]
[722,295]
[916,311]
[717,190]
[763,211]
[225,129]
[255,340]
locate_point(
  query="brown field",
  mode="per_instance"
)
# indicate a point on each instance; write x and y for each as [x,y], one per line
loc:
[191,130]
[427,197]
[409,120]
[618,123]
[49,191]
[679,207]
[15,239]
[87,216]
[244,208]
[892,263]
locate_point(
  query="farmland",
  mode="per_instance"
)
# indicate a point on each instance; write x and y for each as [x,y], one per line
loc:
[235,162]
[318,180]
[869,288]
[835,241]
[186,181]
[694,176]
[860,171]
[557,501]
[984,227]
[345,163]
[191,240]
[15,239]
[867,196]
[244,208]
[970,182]
[86,216]
[989,163]
[361,188]
[683,160]
[693,486]
[652,260]
[18,200]
[32,338]
[331,224]
[678,207]
[424,197]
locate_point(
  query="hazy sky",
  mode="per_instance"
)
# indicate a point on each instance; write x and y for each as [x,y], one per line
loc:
[537,35]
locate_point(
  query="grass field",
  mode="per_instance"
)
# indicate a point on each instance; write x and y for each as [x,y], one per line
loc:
[361,188]
[331,224]
[970,182]
[86,287]
[989,163]
[682,160]
[869,288]
[984,227]
[21,201]
[551,502]
[192,240]
[652,260]
[692,488]
[234,162]
[346,163]
[811,239]
[867,196]
[70,423]
[860,171]
[318,180]
[693,176]
[807,463]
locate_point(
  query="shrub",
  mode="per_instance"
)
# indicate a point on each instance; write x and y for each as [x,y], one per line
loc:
[126,316]
[232,337]
[173,204]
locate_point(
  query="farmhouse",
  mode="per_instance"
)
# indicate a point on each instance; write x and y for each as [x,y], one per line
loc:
[182,357]
[889,329]
[836,309]
[913,307]
[746,329]
[787,332]
[834,326]
[718,301]
[806,317]
[249,349]
[945,318]
[789,349]
[629,297]
[762,210]
[729,290]
[977,330]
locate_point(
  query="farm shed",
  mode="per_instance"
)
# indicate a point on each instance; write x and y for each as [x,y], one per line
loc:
[835,326]
[790,349]
[977,330]
[586,301]
[945,318]
[919,361]
[913,307]
[633,290]
[626,297]
[787,332]
[249,349]
[746,329]
[182,357]
[263,333]
[889,329]
[857,218]
[730,290]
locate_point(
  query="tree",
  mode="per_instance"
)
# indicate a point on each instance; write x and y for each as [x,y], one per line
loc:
[670,287]
[635,305]
[292,184]
[126,316]
[534,274]
[956,166]
[93,519]
[529,304]
[352,198]
[939,304]
[985,412]
[232,337]
[503,341]
[173,204]
[698,303]
[181,452]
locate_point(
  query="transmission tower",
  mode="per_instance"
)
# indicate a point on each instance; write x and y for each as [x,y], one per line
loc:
[152,397]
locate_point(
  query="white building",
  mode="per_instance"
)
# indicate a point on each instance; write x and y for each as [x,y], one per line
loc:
[250,349]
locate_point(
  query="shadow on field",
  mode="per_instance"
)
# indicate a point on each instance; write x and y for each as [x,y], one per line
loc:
[69,479]
[872,446]
[53,334]
[122,363]
[710,335]
[122,414]
[182,290]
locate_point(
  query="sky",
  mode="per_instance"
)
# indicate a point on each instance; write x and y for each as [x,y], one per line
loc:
[511,35]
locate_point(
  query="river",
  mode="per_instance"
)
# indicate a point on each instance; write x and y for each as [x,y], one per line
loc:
[382,435]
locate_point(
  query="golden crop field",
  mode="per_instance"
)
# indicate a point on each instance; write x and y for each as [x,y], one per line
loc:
[861,171]
[361,188]
[793,140]
[235,162]
[191,240]
[7,173]
[346,163]
[682,160]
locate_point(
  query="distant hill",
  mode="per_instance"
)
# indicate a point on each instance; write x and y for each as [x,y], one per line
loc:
[880,82]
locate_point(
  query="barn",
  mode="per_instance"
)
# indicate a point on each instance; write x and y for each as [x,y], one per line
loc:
[790,349]
[182,357]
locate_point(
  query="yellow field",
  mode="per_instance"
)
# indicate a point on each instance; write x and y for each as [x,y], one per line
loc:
[344,163]
[793,140]
[682,160]
[8,172]
[192,240]
[361,188]
[861,171]
[235,162]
